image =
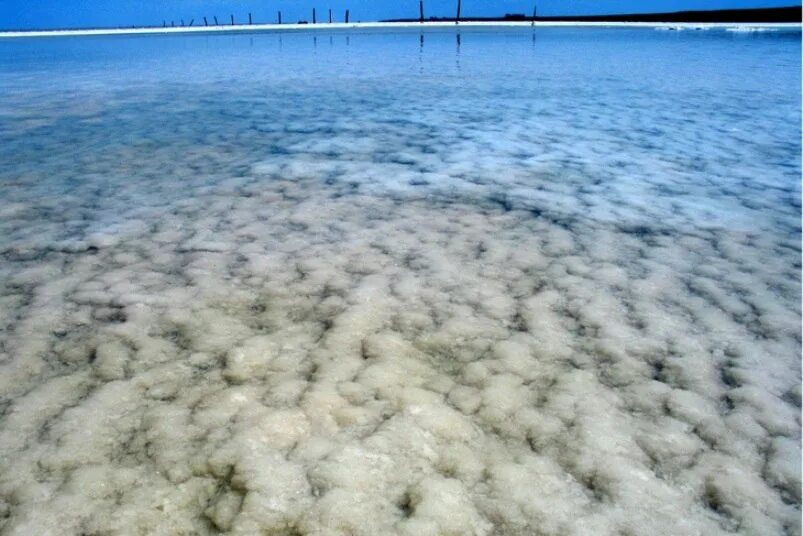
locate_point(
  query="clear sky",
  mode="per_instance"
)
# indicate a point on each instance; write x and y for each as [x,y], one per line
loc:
[22,14]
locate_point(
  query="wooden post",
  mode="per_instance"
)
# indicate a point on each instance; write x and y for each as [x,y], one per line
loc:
[249,19]
[330,15]
[191,21]
[421,11]
[347,16]
[216,23]
[457,19]
[534,8]
[280,17]
[232,19]
[206,23]
[313,16]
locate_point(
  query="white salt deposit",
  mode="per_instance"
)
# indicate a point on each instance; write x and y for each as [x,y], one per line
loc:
[426,323]
[382,367]
[327,27]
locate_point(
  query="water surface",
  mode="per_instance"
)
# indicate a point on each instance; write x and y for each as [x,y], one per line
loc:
[389,282]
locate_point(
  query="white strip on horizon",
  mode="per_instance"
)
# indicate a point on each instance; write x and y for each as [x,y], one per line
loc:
[369,25]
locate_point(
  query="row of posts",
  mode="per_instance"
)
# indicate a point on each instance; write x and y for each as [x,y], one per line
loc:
[251,20]
[315,19]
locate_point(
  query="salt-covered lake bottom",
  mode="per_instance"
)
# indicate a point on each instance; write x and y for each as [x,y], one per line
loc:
[402,296]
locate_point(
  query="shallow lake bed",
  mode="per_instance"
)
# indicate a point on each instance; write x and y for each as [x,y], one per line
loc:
[460,281]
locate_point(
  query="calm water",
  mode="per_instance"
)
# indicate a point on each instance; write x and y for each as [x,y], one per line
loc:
[386,282]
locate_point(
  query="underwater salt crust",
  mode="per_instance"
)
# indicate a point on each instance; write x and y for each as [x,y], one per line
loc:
[366,366]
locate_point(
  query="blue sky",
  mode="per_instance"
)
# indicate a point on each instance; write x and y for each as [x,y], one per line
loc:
[21,14]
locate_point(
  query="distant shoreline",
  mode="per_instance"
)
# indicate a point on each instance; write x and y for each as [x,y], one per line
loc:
[791,14]
[784,16]
[253,28]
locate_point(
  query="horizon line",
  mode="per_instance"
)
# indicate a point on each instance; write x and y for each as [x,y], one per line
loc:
[253,28]
[507,17]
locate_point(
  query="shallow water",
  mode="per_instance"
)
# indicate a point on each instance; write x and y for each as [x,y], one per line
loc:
[378,282]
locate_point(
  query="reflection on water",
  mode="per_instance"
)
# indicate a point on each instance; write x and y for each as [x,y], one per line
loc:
[490,285]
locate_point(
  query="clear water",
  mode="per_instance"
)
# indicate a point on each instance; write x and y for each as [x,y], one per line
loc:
[385,282]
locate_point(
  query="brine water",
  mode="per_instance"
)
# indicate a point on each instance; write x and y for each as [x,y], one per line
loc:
[431,282]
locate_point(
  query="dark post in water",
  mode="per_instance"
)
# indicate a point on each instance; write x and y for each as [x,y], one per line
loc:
[249,19]
[534,11]
[232,19]
[421,11]
[347,16]
[280,17]
[206,23]
[330,15]
[313,16]
[215,17]
[457,19]
[191,21]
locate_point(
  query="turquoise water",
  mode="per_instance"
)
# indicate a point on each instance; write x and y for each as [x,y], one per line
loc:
[474,281]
